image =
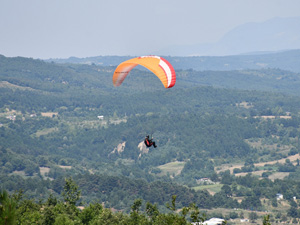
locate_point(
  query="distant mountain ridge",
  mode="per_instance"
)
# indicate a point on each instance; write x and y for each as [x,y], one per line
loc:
[285,60]
[272,35]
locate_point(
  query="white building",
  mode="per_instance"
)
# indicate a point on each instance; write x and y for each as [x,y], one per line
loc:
[279,196]
[212,221]
[11,117]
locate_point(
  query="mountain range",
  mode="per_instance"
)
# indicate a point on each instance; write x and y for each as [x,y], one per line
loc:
[285,60]
[272,35]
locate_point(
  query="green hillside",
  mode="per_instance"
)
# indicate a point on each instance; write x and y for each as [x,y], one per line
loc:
[213,125]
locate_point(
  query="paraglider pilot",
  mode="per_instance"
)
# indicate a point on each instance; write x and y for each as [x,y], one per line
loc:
[148,142]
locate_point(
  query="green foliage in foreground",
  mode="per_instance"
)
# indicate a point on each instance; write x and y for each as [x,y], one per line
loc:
[15,210]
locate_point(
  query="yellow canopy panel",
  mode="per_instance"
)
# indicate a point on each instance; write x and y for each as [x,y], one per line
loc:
[158,65]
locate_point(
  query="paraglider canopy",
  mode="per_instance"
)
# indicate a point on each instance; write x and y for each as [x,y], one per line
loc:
[158,65]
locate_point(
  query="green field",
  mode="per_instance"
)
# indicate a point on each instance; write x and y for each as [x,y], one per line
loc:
[211,187]
[171,168]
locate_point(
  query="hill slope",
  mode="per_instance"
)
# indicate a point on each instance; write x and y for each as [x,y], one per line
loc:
[49,129]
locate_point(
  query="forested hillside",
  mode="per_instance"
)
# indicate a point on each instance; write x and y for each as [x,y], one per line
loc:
[211,128]
[284,60]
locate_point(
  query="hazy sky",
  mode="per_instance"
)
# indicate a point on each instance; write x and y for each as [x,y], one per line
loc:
[83,28]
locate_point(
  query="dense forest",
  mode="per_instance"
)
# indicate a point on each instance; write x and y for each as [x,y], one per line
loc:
[226,139]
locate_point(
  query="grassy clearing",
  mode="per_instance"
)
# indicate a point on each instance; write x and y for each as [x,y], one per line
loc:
[44,170]
[211,188]
[292,158]
[5,84]
[272,147]
[20,173]
[49,114]
[278,175]
[91,124]
[46,131]
[171,168]
[256,173]
[66,167]
[231,167]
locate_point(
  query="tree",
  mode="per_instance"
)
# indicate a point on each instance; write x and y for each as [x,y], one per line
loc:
[135,216]
[173,205]
[242,215]
[195,214]
[136,205]
[266,220]
[7,209]
[226,178]
[227,190]
[274,202]
[253,216]
[233,215]
[71,193]
[251,202]
[90,212]
[292,212]
[28,212]
[152,210]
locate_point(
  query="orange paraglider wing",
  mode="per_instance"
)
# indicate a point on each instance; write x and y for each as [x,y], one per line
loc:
[158,65]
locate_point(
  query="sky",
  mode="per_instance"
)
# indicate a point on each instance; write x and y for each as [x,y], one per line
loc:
[83,28]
